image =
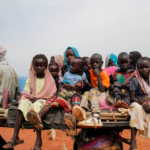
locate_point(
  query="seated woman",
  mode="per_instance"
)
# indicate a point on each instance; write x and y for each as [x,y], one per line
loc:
[134,56]
[8,80]
[39,87]
[139,109]
[111,64]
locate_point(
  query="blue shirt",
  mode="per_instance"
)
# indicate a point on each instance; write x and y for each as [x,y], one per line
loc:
[72,79]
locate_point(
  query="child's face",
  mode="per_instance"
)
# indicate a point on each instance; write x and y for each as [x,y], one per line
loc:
[96,62]
[69,55]
[53,70]
[131,57]
[88,63]
[110,63]
[74,66]
[144,68]
[39,66]
[124,62]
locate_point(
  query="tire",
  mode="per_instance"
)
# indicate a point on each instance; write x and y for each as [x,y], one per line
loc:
[75,147]
[121,145]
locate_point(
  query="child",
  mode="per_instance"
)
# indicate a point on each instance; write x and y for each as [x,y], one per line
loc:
[134,56]
[72,81]
[69,54]
[87,67]
[139,110]
[122,95]
[111,64]
[87,62]
[59,59]
[39,87]
[54,70]
[100,83]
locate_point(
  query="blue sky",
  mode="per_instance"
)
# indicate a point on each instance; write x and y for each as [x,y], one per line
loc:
[31,27]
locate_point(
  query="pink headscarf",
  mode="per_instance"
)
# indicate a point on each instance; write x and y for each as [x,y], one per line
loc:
[48,90]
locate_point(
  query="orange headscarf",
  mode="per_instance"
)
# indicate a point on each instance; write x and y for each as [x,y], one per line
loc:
[48,89]
[104,77]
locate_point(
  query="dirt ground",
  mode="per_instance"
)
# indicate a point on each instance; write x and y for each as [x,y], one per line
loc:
[29,138]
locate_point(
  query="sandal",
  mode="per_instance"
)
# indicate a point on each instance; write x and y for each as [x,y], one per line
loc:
[118,103]
[34,118]
[70,121]
[63,103]
[5,98]
[12,143]
[124,105]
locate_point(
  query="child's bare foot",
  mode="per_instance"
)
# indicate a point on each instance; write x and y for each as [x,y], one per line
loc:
[124,105]
[118,103]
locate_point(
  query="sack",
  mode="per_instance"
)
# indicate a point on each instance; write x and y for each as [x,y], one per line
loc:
[110,97]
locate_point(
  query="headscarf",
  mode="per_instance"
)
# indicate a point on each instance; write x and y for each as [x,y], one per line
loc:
[76,55]
[112,57]
[136,56]
[145,88]
[3,51]
[48,90]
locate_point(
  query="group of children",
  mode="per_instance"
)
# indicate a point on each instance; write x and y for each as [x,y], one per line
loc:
[76,85]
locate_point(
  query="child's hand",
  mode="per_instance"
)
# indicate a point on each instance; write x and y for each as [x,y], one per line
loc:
[146,107]
[69,87]
[142,100]
[111,87]
[78,86]
[97,71]
[33,99]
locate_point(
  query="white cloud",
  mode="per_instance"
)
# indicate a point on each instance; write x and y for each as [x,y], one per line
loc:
[31,27]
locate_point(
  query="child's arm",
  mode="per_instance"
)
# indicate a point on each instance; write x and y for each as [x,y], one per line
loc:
[143,101]
[133,98]
[127,81]
[59,88]
[101,87]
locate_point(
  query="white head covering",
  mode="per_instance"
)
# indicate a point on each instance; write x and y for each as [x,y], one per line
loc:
[3,51]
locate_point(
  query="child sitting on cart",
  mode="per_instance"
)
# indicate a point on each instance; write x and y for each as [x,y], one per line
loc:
[122,94]
[39,87]
[139,109]
[100,82]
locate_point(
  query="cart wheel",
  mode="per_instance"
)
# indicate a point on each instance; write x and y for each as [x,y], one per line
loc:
[121,145]
[75,146]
